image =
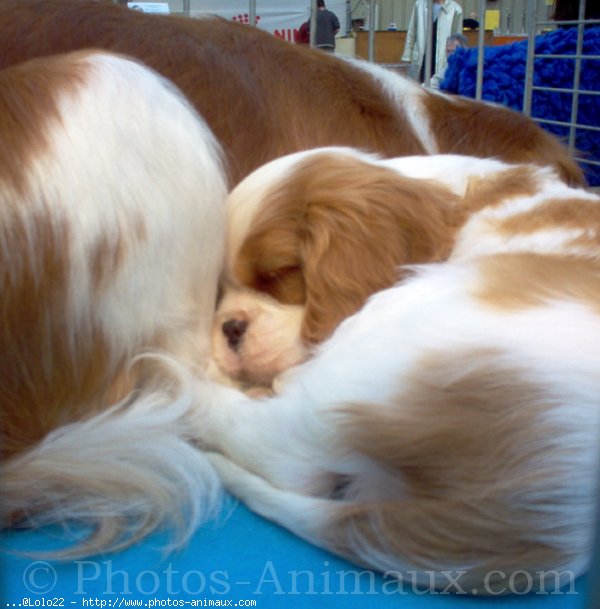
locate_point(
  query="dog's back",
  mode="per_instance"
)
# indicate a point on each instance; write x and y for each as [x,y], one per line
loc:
[264,97]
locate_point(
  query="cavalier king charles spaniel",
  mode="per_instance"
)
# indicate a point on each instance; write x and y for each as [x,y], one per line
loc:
[448,419]
[112,217]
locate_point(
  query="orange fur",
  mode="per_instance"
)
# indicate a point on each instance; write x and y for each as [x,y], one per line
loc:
[35,398]
[463,127]
[328,232]
[517,281]
[466,471]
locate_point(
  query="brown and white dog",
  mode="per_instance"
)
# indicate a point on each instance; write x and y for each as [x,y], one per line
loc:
[111,244]
[264,98]
[448,432]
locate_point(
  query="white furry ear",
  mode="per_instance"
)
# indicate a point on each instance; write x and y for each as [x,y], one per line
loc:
[362,223]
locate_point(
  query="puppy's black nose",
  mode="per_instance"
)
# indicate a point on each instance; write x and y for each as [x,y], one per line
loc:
[233,330]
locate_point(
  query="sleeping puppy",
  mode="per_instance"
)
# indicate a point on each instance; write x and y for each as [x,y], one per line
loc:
[446,433]
[312,235]
[111,244]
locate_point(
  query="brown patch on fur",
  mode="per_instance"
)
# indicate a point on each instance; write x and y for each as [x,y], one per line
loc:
[573,213]
[513,281]
[508,184]
[46,378]
[478,464]
[337,231]
[108,256]
[465,126]
[28,103]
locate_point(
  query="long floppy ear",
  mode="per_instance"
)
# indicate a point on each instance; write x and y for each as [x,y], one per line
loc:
[362,222]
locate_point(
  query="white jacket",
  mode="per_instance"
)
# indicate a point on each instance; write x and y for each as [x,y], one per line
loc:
[449,23]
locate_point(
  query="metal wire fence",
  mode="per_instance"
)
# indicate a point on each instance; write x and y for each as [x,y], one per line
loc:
[576,91]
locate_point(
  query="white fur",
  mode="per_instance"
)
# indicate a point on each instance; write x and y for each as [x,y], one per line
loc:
[125,472]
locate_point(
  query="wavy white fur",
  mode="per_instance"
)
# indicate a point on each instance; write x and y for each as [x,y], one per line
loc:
[111,245]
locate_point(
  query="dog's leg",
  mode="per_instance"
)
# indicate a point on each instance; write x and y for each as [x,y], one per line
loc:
[276,437]
[303,515]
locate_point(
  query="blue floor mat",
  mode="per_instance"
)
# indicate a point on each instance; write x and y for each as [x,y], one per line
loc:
[240,561]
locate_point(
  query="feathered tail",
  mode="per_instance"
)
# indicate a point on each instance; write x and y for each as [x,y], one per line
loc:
[123,473]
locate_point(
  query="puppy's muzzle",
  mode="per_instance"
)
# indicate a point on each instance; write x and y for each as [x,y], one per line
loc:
[234,330]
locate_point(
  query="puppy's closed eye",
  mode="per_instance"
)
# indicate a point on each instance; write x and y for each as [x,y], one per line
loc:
[285,284]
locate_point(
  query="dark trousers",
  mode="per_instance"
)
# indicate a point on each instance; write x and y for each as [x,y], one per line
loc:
[433,49]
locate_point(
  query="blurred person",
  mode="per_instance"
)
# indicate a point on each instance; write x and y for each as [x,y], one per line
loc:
[302,34]
[328,25]
[453,42]
[447,21]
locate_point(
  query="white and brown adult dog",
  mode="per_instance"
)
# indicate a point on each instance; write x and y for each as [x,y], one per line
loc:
[264,98]
[111,245]
[452,424]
